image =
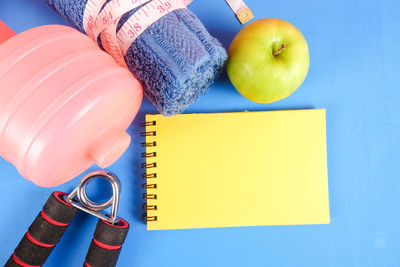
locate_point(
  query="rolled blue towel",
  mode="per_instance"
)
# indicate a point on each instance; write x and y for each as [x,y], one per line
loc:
[175,59]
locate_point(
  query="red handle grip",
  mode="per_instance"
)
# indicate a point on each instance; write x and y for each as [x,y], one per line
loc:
[44,233]
[106,244]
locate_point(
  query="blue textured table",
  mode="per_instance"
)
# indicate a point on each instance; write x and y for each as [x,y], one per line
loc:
[354,74]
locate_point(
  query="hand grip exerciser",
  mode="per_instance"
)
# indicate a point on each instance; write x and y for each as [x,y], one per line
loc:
[59,210]
[44,233]
[64,104]
[106,243]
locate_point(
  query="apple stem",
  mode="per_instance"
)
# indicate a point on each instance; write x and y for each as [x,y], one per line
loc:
[279,50]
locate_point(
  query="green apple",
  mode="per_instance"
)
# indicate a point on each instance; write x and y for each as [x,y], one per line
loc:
[268,60]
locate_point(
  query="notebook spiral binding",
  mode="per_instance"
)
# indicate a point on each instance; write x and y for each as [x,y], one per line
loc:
[148,174]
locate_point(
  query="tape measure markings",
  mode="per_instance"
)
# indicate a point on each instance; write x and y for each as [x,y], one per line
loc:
[103,21]
[106,24]
[144,18]
[111,14]
[241,10]
[91,12]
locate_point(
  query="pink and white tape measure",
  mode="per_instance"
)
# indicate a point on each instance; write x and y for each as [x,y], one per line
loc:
[104,22]
[241,10]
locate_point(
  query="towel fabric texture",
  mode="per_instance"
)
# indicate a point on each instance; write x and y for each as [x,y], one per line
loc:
[175,59]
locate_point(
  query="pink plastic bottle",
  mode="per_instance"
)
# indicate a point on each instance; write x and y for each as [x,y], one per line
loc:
[64,104]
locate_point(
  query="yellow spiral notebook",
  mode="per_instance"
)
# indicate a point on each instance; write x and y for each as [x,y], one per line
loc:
[236,169]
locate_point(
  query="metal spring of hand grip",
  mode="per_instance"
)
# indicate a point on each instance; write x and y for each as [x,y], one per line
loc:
[79,199]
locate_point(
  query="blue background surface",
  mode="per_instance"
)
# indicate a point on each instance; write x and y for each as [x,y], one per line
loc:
[354,74]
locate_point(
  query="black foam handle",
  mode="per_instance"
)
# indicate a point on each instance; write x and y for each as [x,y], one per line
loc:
[106,244]
[44,233]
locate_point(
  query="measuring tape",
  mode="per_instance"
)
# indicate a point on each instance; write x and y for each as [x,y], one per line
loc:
[143,18]
[105,23]
[102,21]
[241,10]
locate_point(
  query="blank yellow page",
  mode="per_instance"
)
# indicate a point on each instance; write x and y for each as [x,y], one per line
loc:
[239,169]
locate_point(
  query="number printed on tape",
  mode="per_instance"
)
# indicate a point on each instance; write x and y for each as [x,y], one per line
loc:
[99,20]
[143,18]
[105,22]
